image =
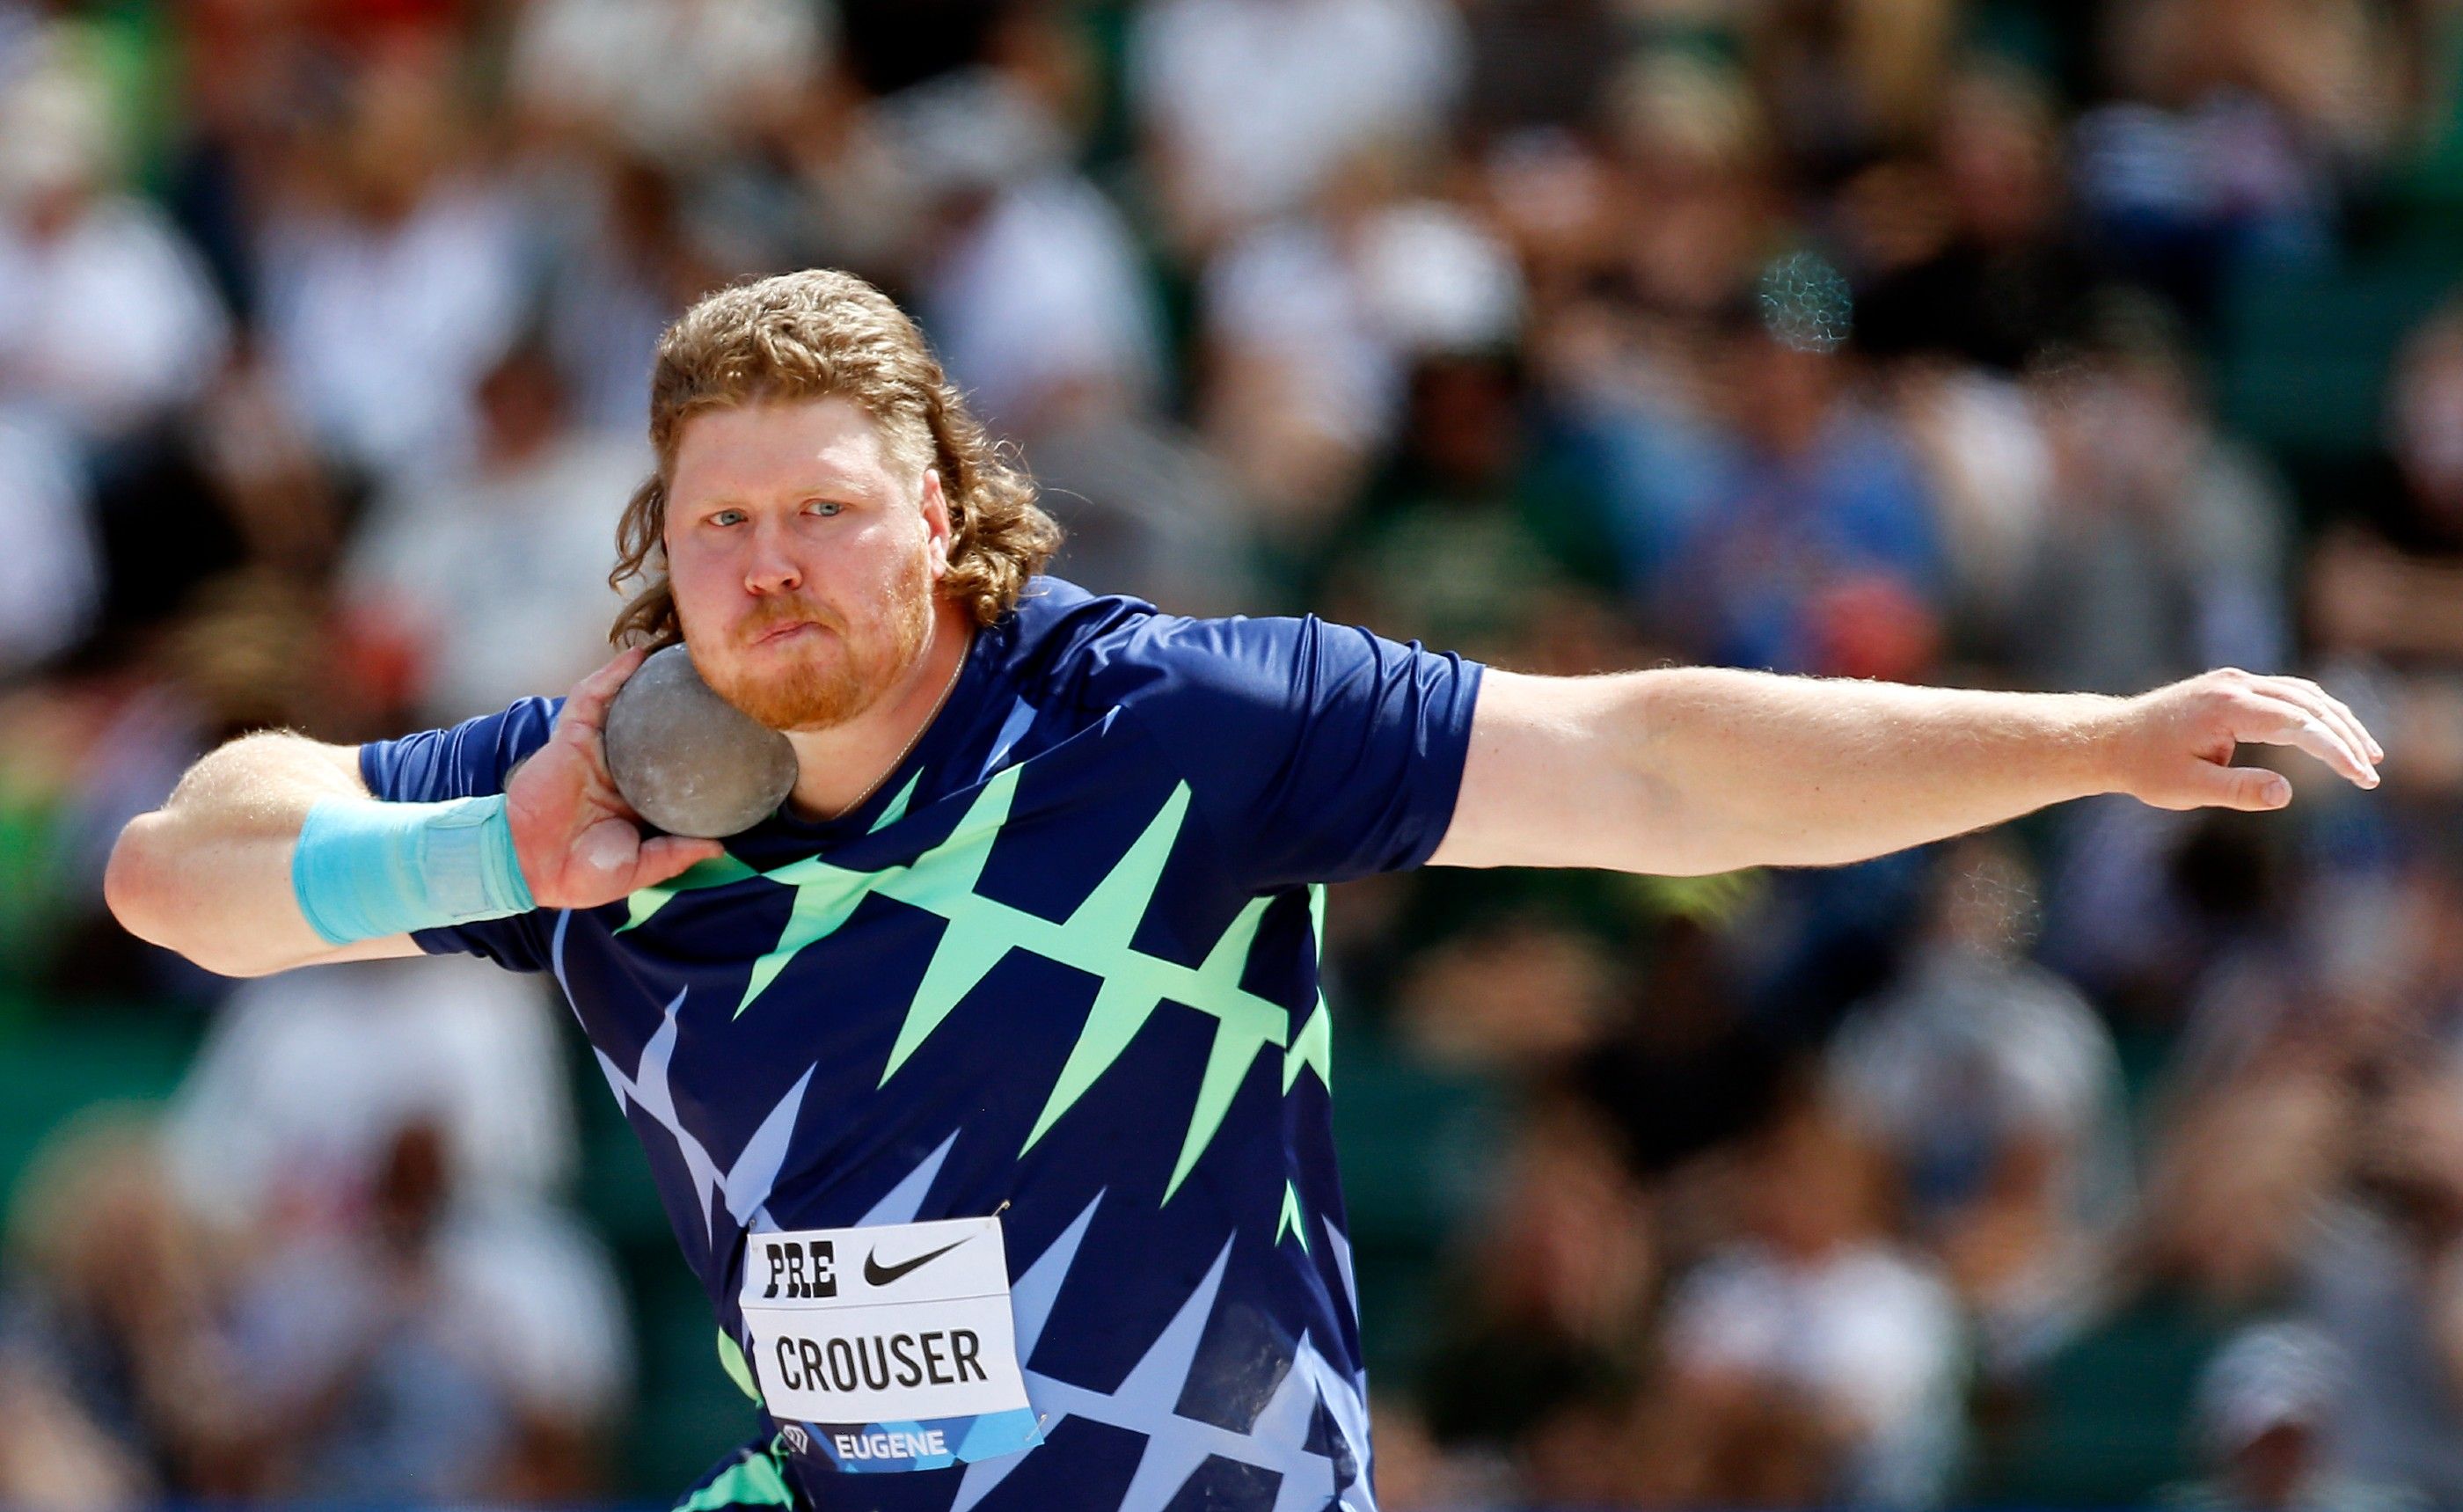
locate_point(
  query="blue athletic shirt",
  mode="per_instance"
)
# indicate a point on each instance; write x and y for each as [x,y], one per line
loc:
[1062,967]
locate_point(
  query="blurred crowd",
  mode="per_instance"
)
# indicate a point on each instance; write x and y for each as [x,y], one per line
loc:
[2114,1156]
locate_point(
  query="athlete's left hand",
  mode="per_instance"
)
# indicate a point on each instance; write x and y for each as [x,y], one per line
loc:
[2173,747]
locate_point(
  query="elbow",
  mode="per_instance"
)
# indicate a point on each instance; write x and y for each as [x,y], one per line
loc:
[132,880]
[141,888]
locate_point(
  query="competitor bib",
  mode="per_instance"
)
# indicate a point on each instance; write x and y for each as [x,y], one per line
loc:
[890,1347]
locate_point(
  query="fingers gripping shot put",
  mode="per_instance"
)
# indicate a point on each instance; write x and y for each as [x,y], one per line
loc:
[983,1068]
[686,759]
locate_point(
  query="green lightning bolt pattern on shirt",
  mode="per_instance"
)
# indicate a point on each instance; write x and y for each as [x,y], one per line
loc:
[1059,975]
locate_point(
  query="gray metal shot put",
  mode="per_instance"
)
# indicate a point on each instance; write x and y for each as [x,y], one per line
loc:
[686,759]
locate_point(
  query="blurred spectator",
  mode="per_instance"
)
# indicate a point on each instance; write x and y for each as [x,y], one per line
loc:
[1537,63]
[1555,1292]
[1700,208]
[2264,1406]
[117,1342]
[1145,506]
[1966,253]
[1028,280]
[50,581]
[1311,326]
[1471,535]
[2321,1168]
[2385,1280]
[2388,582]
[232,489]
[107,321]
[677,82]
[1987,463]
[1250,107]
[1040,302]
[627,254]
[394,272]
[306,1077]
[2164,552]
[248,654]
[1814,1359]
[392,1133]
[2140,906]
[493,576]
[1682,1070]
[1847,78]
[436,1350]
[2238,124]
[1522,995]
[1996,1092]
[1802,540]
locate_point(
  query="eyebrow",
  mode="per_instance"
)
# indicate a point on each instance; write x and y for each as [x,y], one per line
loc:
[838,491]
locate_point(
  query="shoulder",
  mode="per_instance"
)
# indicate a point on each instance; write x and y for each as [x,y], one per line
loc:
[1107,650]
[1056,622]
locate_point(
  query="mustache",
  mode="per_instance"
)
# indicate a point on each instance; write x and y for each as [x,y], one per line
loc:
[784,615]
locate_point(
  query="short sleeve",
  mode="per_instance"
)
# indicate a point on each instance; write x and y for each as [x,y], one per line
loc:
[470,759]
[1318,752]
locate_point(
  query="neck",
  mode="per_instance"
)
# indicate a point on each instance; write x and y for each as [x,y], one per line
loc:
[839,768]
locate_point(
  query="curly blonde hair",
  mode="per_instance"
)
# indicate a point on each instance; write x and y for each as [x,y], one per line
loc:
[819,334]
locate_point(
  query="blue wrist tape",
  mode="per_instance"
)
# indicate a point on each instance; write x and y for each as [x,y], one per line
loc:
[364,868]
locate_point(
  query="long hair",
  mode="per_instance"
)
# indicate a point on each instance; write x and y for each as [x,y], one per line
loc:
[814,335]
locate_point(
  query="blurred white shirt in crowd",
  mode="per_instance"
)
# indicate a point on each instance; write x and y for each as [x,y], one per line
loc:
[1045,291]
[1257,101]
[2389,1309]
[1976,1065]
[1970,1036]
[673,78]
[109,320]
[523,1310]
[49,581]
[1867,1334]
[380,333]
[284,1126]
[306,1075]
[1342,310]
[501,579]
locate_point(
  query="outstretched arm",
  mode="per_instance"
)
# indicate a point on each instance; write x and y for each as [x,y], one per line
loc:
[1687,771]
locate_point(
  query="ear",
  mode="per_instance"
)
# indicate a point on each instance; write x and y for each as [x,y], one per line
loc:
[936,521]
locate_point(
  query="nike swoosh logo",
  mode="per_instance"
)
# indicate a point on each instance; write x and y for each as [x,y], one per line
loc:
[876,1274]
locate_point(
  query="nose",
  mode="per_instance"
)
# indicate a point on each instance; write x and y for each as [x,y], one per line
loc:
[770,569]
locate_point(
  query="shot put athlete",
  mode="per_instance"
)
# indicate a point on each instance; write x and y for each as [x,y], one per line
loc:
[984,1080]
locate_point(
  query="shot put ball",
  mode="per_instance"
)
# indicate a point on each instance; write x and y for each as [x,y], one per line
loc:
[686,759]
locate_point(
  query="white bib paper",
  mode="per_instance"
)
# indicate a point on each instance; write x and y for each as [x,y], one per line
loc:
[901,1322]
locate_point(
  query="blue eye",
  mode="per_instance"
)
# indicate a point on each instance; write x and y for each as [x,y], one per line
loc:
[720,518]
[825,508]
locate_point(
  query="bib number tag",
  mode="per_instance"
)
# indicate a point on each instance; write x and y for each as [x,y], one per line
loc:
[890,1347]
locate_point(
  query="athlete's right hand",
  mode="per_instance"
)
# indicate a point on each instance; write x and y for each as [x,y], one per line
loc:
[578,842]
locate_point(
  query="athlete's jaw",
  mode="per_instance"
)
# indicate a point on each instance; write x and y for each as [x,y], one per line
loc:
[799,667]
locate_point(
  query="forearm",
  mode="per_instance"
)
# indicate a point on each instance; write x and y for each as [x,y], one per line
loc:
[209,873]
[1688,771]
[1741,768]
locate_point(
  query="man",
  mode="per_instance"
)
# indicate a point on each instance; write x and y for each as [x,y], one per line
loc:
[985,1082]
